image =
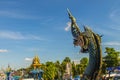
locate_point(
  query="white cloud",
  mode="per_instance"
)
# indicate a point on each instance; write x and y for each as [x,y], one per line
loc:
[11,35]
[115,27]
[28,59]
[3,50]
[17,35]
[113,43]
[115,15]
[8,2]
[102,31]
[33,37]
[67,28]
[13,14]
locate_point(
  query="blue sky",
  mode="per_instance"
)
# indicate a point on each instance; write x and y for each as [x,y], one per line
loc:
[41,27]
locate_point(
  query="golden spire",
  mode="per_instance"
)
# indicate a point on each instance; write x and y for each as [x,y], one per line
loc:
[36,62]
[8,68]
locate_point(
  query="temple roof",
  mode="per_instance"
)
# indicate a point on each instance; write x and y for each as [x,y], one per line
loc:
[36,61]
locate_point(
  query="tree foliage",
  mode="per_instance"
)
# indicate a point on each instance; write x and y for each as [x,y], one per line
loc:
[83,64]
[112,57]
[50,71]
[67,59]
[78,69]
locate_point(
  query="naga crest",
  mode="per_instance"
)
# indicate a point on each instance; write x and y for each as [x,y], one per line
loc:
[80,38]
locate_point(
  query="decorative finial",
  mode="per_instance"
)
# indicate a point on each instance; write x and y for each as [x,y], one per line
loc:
[69,13]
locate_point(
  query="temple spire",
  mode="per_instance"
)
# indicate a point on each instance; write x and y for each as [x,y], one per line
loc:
[36,62]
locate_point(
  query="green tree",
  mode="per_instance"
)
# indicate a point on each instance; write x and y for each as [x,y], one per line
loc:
[119,60]
[73,69]
[58,70]
[83,64]
[67,59]
[50,71]
[103,67]
[112,57]
[79,68]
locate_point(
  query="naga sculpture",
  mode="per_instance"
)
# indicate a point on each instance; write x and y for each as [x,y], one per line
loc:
[89,42]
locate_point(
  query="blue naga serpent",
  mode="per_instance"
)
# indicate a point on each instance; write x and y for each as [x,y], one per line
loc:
[90,43]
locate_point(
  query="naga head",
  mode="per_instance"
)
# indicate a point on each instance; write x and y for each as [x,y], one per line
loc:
[81,41]
[79,37]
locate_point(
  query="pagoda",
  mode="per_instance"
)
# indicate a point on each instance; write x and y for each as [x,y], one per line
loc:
[36,72]
[36,62]
[8,72]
